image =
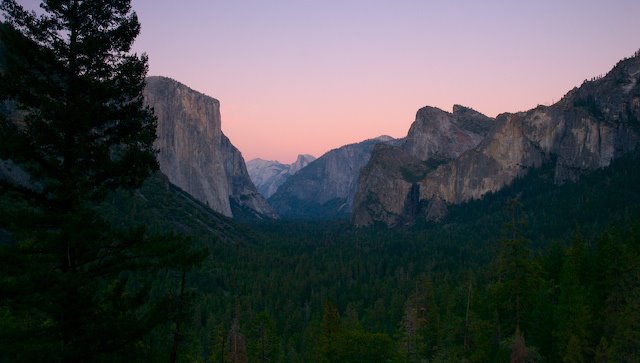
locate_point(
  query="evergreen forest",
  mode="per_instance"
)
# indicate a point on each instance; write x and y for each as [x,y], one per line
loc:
[103,260]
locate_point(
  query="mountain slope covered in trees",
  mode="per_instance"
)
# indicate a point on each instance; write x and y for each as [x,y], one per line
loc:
[105,260]
[328,292]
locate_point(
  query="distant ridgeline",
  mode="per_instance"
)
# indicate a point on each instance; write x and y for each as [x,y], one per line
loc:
[269,175]
[450,158]
[325,188]
[418,180]
[447,158]
[608,196]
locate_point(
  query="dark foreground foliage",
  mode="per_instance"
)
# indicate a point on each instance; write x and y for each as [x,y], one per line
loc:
[551,277]
[534,273]
[74,287]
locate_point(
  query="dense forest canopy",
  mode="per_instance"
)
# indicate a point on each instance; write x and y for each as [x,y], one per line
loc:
[439,292]
[102,259]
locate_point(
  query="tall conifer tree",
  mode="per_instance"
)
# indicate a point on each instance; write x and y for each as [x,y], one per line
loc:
[85,129]
[74,288]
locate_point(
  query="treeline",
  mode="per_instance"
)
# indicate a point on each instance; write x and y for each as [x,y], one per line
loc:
[549,278]
[536,272]
[577,300]
[559,265]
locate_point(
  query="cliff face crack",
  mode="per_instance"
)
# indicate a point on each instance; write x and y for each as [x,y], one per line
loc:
[412,203]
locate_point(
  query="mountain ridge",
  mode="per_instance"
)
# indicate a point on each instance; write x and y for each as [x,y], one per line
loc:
[324,189]
[588,128]
[385,184]
[268,175]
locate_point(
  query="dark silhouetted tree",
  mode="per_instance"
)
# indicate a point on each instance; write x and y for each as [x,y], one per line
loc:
[74,288]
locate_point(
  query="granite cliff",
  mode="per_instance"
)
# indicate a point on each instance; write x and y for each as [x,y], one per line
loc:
[386,190]
[194,153]
[325,188]
[268,175]
[586,130]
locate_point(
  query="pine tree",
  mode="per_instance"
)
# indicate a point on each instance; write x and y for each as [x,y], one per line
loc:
[331,333]
[74,288]
[263,342]
[418,328]
[574,314]
[514,275]
[70,72]
[236,344]
[624,309]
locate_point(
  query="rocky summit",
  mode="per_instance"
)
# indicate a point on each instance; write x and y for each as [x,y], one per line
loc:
[435,137]
[325,188]
[448,159]
[194,153]
[268,175]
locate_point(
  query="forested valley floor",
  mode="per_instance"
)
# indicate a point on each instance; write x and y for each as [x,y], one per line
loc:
[542,272]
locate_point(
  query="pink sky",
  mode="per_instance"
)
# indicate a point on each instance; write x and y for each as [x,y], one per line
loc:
[306,76]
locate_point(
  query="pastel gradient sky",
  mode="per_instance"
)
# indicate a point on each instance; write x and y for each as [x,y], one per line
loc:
[306,76]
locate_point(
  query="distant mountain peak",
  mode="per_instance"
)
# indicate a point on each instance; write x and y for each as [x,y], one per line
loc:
[268,175]
[325,188]
[383,138]
[305,157]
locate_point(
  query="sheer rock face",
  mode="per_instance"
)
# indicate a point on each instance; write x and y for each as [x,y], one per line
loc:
[268,175]
[388,189]
[194,153]
[384,184]
[443,135]
[586,130]
[302,161]
[325,188]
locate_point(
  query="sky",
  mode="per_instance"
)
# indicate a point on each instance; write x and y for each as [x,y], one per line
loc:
[307,76]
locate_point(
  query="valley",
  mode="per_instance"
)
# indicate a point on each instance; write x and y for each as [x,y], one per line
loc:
[133,229]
